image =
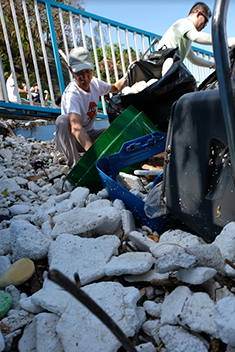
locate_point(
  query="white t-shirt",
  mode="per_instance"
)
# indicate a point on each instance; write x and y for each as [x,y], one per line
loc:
[75,99]
[175,37]
[11,90]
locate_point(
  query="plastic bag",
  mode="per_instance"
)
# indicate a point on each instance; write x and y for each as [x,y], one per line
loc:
[155,100]
[154,205]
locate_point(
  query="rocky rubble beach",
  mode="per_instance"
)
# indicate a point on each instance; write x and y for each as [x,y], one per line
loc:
[167,293]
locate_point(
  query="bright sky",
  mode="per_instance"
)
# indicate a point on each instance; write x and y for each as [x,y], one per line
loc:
[153,15]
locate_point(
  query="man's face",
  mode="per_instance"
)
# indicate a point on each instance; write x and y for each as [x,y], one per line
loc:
[201,21]
[83,79]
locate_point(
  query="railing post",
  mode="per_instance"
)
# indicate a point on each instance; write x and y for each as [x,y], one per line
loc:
[3,91]
[55,48]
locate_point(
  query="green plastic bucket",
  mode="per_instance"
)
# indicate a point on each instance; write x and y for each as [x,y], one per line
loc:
[131,124]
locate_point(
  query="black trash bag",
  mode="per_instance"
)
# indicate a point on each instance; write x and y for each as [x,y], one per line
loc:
[155,100]
[211,82]
[114,107]
[144,70]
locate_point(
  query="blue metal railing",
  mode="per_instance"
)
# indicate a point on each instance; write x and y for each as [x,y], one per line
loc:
[82,28]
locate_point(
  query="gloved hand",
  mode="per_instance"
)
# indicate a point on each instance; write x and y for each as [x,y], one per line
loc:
[46,92]
[231,42]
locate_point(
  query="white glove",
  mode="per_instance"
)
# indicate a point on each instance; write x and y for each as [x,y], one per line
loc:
[46,92]
[231,42]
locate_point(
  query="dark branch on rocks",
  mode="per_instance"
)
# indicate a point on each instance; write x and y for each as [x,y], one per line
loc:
[88,302]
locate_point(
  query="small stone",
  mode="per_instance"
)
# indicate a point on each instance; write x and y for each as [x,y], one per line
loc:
[224,314]
[5,264]
[176,338]
[13,322]
[5,303]
[151,328]
[146,347]
[19,209]
[150,172]
[27,304]
[8,339]
[128,181]
[21,181]
[2,342]
[18,273]
[132,263]
[33,187]
[196,276]
[15,293]
[175,261]
[128,222]
[153,309]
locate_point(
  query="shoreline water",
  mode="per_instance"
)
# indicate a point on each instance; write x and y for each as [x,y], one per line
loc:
[41,130]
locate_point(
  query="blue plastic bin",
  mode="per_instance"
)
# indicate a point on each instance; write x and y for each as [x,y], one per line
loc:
[132,152]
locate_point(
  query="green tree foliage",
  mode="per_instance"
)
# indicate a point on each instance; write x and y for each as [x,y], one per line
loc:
[25,42]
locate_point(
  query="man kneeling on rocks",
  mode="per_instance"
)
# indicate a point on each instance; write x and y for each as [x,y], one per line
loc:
[75,130]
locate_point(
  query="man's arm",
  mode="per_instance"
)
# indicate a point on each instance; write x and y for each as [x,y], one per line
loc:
[199,37]
[118,86]
[199,61]
[22,91]
[206,39]
[78,131]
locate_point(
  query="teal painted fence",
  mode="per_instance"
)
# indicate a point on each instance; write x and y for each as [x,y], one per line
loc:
[63,28]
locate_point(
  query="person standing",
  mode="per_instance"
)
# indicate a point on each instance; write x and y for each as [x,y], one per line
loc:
[12,88]
[57,100]
[187,30]
[75,127]
[35,93]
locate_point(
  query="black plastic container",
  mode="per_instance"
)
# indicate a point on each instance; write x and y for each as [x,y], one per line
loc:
[198,183]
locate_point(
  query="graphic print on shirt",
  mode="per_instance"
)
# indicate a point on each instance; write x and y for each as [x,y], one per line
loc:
[92,111]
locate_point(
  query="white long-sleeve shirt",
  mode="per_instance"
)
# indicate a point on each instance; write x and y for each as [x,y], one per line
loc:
[181,35]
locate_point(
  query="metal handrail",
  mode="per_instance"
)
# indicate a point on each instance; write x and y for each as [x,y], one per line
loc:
[223,69]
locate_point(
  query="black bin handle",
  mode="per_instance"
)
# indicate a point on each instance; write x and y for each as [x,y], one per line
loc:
[223,70]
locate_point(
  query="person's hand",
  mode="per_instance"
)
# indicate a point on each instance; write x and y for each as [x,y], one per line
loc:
[46,92]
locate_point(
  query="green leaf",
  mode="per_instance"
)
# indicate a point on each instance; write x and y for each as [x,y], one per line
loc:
[5,192]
